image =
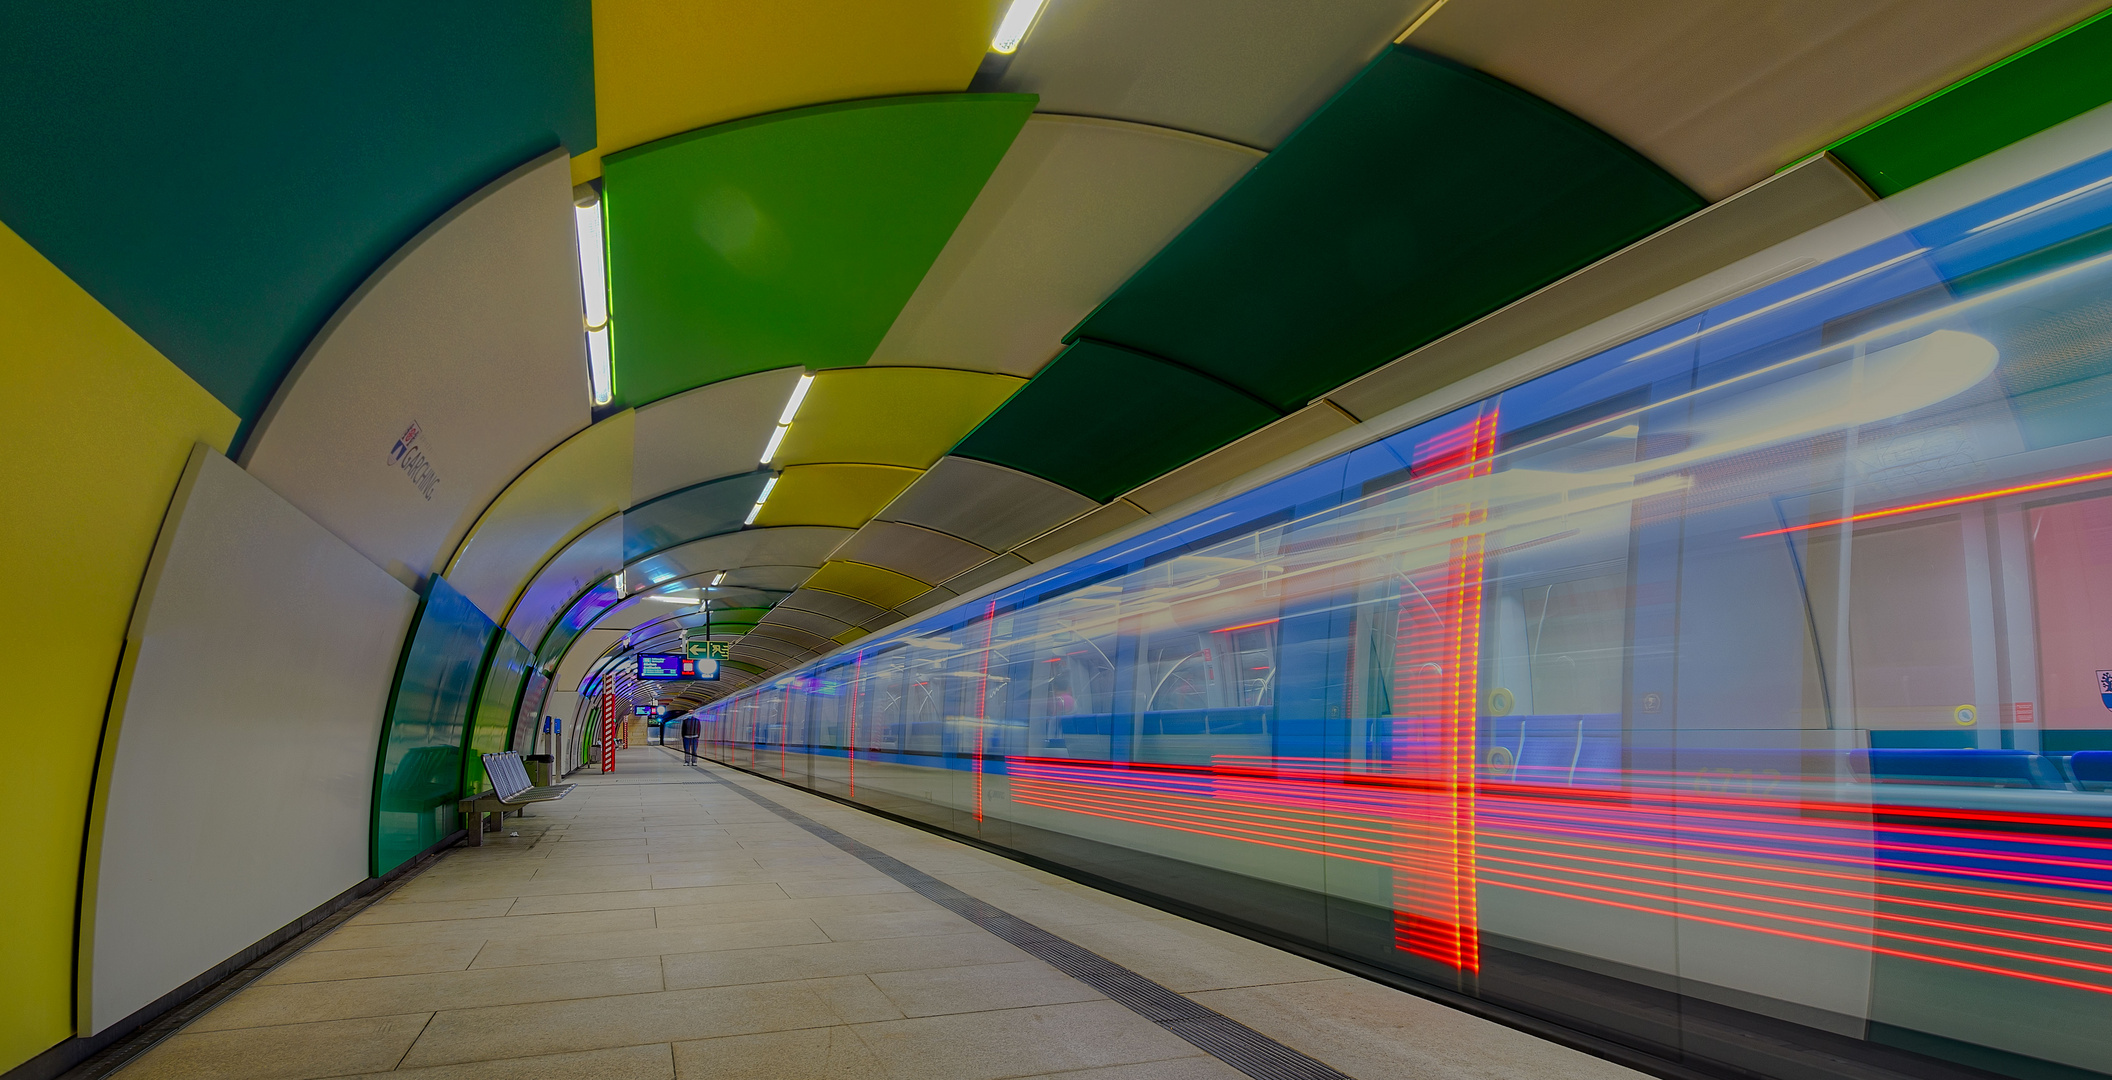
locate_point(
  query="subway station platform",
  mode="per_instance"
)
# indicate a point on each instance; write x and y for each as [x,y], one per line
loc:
[667,921]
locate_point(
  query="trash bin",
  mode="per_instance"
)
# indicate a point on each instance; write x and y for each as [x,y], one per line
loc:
[539,768]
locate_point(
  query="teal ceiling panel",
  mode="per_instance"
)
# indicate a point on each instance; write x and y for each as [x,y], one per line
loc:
[1100,420]
[222,177]
[791,239]
[1422,197]
[706,509]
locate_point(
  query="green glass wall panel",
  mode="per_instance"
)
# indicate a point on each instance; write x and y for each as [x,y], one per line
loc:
[1423,196]
[497,700]
[223,176]
[2059,78]
[788,239]
[1100,420]
[419,777]
[706,509]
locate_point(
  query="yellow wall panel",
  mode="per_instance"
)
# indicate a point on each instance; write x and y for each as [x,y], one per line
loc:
[905,416]
[98,428]
[872,584]
[845,496]
[662,68]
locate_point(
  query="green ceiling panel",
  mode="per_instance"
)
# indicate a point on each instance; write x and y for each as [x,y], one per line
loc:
[1422,197]
[2059,78]
[1100,420]
[788,239]
[223,176]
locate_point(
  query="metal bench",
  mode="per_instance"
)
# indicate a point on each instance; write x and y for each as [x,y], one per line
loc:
[510,790]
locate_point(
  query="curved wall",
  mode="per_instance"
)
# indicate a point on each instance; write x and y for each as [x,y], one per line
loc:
[233,791]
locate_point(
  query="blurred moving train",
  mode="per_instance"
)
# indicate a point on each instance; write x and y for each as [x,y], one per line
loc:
[1740,692]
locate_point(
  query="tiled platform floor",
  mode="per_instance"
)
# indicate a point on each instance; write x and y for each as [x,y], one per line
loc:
[656,925]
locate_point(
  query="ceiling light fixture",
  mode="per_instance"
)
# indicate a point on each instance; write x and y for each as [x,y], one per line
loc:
[758,507]
[718,577]
[1019,18]
[784,419]
[594,295]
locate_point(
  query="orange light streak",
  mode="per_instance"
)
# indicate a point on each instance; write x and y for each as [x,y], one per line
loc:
[1936,503]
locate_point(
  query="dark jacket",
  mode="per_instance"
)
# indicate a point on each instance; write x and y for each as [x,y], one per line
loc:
[692,727]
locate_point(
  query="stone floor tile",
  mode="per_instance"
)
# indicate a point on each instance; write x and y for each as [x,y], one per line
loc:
[515,952]
[434,911]
[287,1052]
[670,1016]
[972,947]
[651,1062]
[342,999]
[758,892]
[318,965]
[936,991]
[1018,1042]
[830,1053]
[507,928]
[891,924]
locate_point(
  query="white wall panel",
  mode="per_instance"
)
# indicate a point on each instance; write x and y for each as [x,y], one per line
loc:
[236,786]
[708,432]
[471,333]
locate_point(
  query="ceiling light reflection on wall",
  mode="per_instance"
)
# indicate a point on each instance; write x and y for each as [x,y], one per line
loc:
[1019,18]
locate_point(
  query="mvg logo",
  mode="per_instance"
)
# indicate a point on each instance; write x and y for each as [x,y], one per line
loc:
[408,456]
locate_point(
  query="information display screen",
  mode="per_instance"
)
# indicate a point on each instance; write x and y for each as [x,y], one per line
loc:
[664,666]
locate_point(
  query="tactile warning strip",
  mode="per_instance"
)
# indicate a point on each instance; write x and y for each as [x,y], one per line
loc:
[1219,1035]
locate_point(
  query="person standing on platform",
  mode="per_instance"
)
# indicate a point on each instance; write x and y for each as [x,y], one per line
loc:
[692,730]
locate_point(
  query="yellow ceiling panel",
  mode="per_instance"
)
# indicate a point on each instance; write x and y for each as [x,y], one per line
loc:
[662,68]
[906,416]
[845,496]
[883,588]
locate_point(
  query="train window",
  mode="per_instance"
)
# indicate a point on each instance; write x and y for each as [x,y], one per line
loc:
[2071,555]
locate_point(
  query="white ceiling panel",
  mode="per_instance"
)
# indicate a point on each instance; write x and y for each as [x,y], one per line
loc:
[706,433]
[1075,207]
[798,545]
[1724,92]
[1248,71]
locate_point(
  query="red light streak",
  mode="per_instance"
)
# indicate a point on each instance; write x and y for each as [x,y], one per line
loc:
[1936,503]
[1241,626]
[1778,932]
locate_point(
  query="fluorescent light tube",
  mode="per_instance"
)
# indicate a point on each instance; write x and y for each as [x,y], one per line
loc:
[718,577]
[767,489]
[1019,18]
[599,378]
[777,436]
[593,269]
[799,394]
[752,511]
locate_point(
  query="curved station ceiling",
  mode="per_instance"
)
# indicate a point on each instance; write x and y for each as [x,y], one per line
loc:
[889,316]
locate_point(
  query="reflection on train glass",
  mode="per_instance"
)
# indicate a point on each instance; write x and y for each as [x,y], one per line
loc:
[1745,687]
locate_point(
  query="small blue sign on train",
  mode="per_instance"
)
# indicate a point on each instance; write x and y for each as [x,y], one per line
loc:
[2104,688]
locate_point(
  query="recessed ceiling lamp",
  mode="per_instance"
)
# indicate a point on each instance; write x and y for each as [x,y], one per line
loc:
[594,290]
[1019,19]
[784,419]
[718,577]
